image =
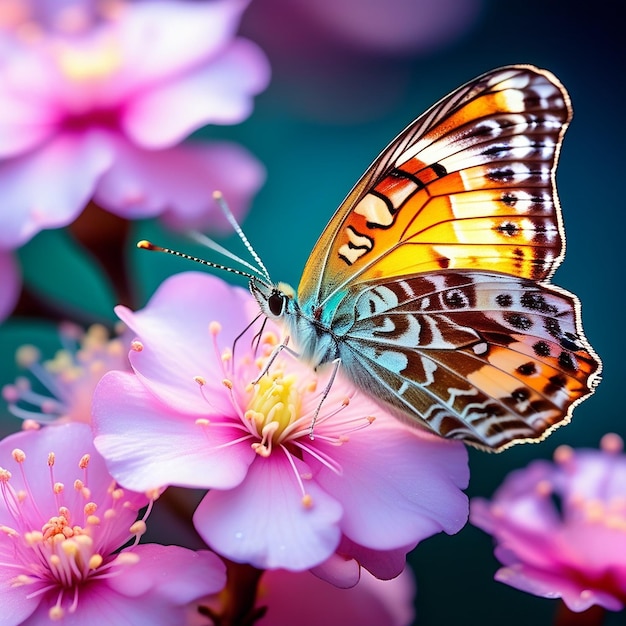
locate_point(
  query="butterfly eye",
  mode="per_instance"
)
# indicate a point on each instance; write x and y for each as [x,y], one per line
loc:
[276,303]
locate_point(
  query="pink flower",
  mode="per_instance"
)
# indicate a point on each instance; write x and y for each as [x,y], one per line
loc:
[188,416]
[371,602]
[70,377]
[96,98]
[62,521]
[561,528]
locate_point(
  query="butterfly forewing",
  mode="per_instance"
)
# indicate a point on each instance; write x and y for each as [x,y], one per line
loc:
[468,185]
[486,358]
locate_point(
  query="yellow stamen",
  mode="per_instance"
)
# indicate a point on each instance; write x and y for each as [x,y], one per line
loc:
[275,400]
[95,63]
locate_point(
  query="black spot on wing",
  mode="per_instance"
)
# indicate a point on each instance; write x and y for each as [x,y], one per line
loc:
[568,362]
[504,300]
[519,321]
[527,369]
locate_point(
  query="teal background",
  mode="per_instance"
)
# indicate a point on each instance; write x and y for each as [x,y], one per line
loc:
[313,156]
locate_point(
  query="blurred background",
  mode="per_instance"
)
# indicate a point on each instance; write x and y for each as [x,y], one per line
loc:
[348,75]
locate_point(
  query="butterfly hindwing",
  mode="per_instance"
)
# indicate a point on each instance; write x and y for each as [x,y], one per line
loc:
[468,185]
[482,357]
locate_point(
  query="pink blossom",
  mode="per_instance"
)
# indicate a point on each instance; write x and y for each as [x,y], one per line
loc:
[96,98]
[365,486]
[371,602]
[70,377]
[560,527]
[62,521]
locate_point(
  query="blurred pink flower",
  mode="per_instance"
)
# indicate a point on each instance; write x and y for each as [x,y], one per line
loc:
[362,488]
[70,377]
[371,602]
[96,109]
[560,527]
[96,98]
[62,521]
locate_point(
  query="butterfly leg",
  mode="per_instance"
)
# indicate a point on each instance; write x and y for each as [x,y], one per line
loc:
[275,352]
[336,363]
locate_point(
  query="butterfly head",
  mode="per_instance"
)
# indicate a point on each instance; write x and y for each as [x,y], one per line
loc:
[276,300]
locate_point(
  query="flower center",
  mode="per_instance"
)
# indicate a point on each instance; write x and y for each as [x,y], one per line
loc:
[70,377]
[275,404]
[91,63]
[279,408]
[68,548]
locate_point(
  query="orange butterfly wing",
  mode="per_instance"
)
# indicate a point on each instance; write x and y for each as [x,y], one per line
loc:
[433,275]
[468,185]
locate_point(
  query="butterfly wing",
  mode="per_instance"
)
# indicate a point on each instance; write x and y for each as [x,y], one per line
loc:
[432,277]
[468,185]
[486,358]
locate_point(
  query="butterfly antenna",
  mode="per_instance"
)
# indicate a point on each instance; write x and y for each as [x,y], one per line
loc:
[221,202]
[216,247]
[146,245]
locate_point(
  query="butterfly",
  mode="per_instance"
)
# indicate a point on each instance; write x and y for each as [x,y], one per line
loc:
[430,285]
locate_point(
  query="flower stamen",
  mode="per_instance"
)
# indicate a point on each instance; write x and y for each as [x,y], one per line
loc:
[62,553]
[69,378]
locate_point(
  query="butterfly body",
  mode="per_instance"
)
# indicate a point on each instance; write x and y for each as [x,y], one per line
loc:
[316,340]
[431,283]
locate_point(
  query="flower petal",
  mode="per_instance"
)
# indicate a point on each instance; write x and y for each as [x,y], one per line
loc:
[29,113]
[343,569]
[553,585]
[100,604]
[16,604]
[338,570]
[179,182]
[147,445]
[177,574]
[218,93]
[370,603]
[179,35]
[417,495]
[48,187]
[264,522]
[384,564]
[173,353]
